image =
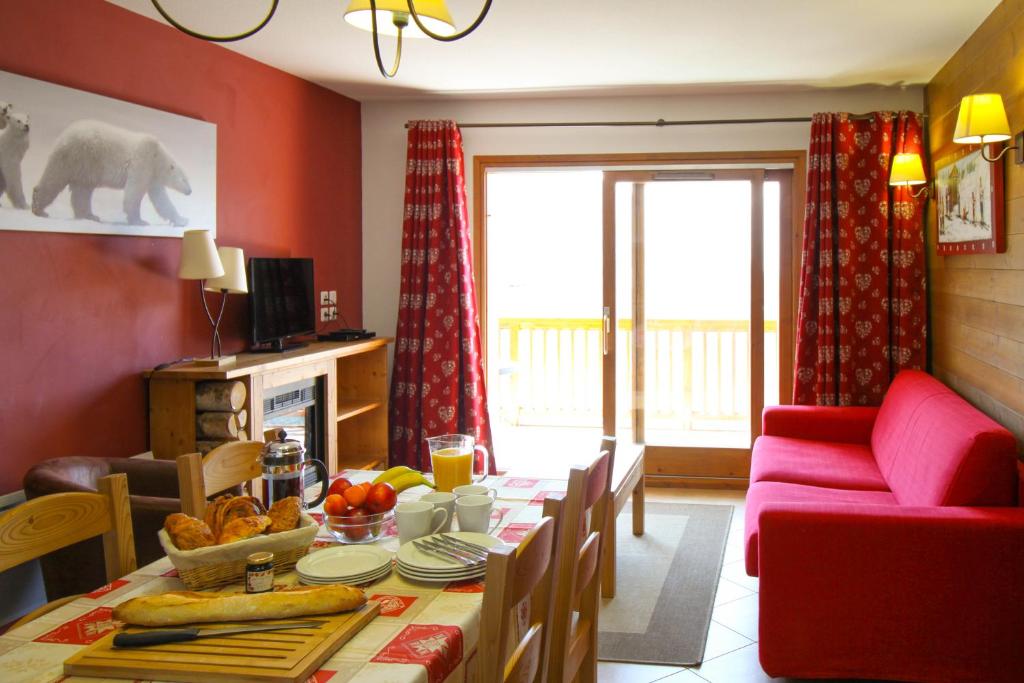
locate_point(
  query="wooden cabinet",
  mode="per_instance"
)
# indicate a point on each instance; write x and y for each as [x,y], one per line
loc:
[355,398]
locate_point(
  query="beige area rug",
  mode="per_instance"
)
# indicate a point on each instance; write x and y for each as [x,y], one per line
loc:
[666,585]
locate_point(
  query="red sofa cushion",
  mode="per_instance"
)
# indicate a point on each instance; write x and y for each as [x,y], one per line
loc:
[933,448]
[816,463]
[768,492]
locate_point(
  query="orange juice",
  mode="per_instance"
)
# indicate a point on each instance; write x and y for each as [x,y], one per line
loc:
[452,467]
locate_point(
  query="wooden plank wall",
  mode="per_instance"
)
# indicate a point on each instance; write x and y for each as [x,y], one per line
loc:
[977,301]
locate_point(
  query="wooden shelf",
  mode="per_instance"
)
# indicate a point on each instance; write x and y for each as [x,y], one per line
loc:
[353,377]
[347,409]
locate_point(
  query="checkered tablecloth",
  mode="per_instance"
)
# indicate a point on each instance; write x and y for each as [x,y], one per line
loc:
[426,633]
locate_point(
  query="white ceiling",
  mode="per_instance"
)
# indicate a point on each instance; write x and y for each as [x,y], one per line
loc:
[606,47]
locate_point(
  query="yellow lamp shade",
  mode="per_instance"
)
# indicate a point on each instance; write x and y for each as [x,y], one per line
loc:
[433,13]
[199,259]
[233,279]
[907,169]
[982,119]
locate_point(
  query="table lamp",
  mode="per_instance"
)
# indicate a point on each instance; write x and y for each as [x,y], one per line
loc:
[217,270]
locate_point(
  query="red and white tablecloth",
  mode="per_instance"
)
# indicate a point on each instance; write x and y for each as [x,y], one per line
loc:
[426,633]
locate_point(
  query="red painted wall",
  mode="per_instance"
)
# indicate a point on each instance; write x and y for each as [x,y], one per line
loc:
[81,316]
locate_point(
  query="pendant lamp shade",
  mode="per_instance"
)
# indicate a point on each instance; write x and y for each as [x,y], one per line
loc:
[907,169]
[199,259]
[433,13]
[981,120]
[233,280]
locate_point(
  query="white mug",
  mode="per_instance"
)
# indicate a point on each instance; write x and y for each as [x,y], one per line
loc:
[416,519]
[475,490]
[474,513]
[445,501]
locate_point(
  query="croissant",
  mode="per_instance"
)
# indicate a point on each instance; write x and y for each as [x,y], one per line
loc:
[242,528]
[285,514]
[237,508]
[213,510]
[188,533]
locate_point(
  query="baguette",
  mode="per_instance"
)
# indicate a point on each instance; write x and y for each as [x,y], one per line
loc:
[183,607]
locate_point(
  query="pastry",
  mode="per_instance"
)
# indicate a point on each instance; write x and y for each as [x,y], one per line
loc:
[188,533]
[237,507]
[213,510]
[285,514]
[173,609]
[242,528]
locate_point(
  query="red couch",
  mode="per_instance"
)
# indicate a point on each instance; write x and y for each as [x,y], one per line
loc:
[888,541]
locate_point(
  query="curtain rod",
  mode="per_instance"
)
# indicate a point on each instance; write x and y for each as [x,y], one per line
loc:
[660,123]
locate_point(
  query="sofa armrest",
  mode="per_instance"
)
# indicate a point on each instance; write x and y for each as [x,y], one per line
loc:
[820,423]
[892,592]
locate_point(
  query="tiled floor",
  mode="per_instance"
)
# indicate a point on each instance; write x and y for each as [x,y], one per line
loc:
[731,652]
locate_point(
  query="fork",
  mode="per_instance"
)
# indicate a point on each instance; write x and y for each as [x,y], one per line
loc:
[464,546]
[443,555]
[461,553]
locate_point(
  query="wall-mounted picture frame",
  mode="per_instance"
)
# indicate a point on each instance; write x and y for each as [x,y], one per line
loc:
[74,161]
[969,204]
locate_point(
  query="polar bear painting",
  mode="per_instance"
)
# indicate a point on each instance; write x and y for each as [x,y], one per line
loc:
[102,166]
[91,154]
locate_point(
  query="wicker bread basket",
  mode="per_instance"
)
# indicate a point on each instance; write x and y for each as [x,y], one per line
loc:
[219,565]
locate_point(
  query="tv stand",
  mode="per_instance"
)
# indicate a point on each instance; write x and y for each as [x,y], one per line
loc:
[279,346]
[355,398]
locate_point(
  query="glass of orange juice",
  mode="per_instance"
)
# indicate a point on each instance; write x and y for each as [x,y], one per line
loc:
[451,458]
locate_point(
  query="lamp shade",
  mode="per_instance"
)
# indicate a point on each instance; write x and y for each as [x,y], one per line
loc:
[233,279]
[199,260]
[982,119]
[907,169]
[433,13]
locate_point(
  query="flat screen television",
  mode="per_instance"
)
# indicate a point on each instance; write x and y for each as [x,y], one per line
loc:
[282,302]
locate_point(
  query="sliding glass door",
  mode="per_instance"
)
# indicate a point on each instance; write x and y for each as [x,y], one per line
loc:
[696,349]
[646,304]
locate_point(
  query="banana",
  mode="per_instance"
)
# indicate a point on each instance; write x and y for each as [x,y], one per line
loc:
[410,479]
[392,473]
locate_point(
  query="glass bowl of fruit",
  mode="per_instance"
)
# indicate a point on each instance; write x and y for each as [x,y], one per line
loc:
[359,513]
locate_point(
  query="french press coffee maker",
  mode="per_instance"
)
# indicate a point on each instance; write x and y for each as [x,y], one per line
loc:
[283,462]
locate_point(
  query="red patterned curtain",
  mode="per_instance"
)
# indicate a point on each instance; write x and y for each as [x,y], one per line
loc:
[437,385]
[863,311]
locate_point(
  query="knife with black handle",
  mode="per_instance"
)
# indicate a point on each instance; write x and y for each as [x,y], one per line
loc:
[181,635]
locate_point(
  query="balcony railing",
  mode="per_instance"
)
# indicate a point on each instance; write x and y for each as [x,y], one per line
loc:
[697,372]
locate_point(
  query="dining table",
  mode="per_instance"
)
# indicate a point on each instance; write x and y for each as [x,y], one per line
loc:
[425,632]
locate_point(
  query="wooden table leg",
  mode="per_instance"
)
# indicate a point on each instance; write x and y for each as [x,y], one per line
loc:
[638,507]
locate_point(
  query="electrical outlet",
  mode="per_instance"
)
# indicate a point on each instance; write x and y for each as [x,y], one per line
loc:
[332,312]
[333,296]
[325,313]
[325,298]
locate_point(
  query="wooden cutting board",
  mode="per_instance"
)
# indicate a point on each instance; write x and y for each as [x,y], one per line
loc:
[277,656]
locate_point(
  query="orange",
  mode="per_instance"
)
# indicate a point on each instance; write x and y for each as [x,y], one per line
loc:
[335,505]
[355,496]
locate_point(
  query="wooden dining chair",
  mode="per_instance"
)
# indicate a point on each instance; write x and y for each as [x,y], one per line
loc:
[48,523]
[572,649]
[226,466]
[608,535]
[514,575]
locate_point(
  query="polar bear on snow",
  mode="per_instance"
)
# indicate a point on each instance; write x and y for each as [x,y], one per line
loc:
[90,154]
[13,145]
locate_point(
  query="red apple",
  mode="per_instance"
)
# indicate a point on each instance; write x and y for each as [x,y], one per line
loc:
[381,498]
[339,485]
[354,524]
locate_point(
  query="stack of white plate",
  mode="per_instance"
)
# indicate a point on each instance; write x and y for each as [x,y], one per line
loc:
[350,564]
[413,563]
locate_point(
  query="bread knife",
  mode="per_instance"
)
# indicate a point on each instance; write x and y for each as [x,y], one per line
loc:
[180,635]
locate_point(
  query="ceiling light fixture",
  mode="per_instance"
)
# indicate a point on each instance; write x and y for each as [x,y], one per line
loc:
[387,17]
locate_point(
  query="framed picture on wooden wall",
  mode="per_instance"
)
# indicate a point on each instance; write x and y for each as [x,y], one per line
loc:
[969,204]
[74,161]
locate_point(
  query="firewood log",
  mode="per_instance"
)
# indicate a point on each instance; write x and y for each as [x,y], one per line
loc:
[221,396]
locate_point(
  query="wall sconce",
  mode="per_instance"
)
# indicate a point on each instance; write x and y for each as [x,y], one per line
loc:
[981,120]
[908,170]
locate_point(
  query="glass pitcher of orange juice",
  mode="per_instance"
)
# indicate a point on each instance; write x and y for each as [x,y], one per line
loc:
[451,457]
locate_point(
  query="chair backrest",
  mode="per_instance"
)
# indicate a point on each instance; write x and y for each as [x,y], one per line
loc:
[572,647]
[226,466]
[48,523]
[513,575]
